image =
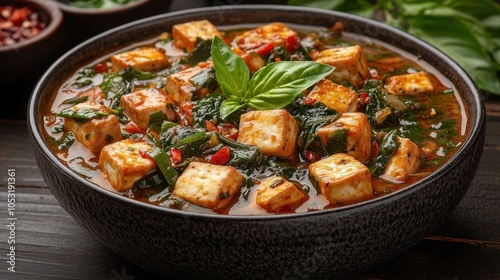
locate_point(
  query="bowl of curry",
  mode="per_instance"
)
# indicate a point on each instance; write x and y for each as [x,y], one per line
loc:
[257,141]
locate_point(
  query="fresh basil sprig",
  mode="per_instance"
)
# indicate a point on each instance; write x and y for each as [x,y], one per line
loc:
[271,87]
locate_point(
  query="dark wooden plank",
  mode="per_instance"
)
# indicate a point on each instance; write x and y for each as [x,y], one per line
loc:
[16,153]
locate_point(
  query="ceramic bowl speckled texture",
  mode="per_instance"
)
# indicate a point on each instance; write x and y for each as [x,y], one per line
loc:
[325,244]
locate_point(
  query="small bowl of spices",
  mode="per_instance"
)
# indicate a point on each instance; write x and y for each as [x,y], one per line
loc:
[31,39]
[27,30]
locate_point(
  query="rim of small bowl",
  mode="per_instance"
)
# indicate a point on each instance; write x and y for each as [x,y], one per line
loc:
[55,20]
[99,11]
[474,131]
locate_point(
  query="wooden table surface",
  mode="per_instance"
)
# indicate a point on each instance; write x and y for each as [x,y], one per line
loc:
[51,245]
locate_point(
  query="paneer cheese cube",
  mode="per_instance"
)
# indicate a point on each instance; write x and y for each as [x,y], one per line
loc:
[179,86]
[340,98]
[342,179]
[208,185]
[277,195]
[273,131]
[405,161]
[139,105]
[97,132]
[186,35]
[123,164]
[276,33]
[143,59]
[349,62]
[412,84]
[359,135]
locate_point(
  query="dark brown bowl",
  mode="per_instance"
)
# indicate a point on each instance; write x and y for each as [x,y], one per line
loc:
[24,61]
[325,244]
[83,23]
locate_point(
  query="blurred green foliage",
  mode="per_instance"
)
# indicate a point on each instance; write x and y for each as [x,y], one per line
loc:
[466,30]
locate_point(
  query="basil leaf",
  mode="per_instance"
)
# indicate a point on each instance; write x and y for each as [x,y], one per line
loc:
[228,107]
[277,84]
[231,71]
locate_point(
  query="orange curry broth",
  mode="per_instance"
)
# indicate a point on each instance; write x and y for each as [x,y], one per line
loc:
[386,59]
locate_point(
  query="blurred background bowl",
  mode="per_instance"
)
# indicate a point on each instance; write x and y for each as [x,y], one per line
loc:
[83,23]
[22,63]
[21,60]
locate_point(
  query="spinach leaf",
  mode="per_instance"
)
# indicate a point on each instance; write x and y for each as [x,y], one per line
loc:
[388,146]
[82,114]
[164,163]
[188,140]
[115,86]
[206,109]
[310,118]
[65,142]
[200,53]
[244,157]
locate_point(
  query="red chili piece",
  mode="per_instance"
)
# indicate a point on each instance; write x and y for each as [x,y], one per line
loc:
[222,156]
[292,44]
[101,67]
[133,128]
[265,49]
[175,156]
[211,126]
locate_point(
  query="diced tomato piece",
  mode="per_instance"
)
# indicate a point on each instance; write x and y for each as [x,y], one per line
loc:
[222,156]
[314,54]
[133,128]
[292,44]
[265,49]
[175,156]
[101,67]
[211,126]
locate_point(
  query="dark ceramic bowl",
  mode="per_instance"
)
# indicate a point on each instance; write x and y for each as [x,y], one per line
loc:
[324,244]
[23,60]
[83,23]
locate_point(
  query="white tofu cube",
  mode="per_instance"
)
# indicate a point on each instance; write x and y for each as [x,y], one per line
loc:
[208,185]
[359,134]
[340,98]
[276,33]
[179,86]
[277,195]
[349,62]
[273,131]
[342,179]
[405,161]
[187,34]
[412,84]
[143,59]
[95,133]
[139,105]
[123,164]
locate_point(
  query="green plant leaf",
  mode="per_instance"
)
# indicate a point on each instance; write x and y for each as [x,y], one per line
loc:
[228,107]
[231,71]
[458,40]
[277,84]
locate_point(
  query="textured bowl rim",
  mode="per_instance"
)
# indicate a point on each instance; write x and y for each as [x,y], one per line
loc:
[55,20]
[474,131]
[97,11]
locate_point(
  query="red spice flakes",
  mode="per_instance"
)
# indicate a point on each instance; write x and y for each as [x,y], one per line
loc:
[19,23]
